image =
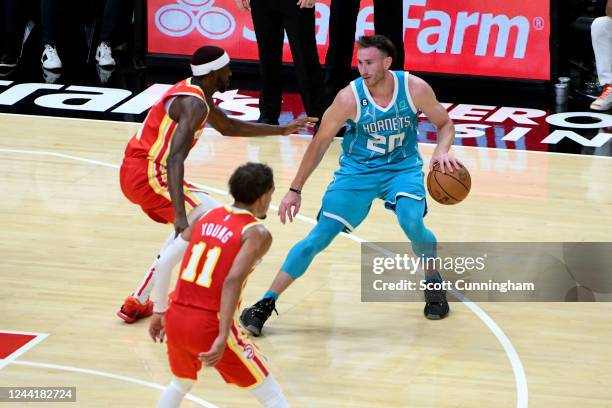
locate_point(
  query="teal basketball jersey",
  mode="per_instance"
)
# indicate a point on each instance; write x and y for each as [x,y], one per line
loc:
[381,136]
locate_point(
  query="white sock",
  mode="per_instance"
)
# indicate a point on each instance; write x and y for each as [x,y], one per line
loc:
[143,291]
[601,34]
[175,392]
[171,256]
[269,394]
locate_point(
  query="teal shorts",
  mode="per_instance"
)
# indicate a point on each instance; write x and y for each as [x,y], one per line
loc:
[349,196]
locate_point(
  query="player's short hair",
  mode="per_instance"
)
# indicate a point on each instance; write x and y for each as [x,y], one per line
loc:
[378,41]
[250,181]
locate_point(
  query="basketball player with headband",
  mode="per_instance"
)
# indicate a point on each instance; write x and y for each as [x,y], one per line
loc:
[152,172]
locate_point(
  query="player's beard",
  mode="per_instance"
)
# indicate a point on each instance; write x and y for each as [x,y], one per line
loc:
[376,79]
[262,217]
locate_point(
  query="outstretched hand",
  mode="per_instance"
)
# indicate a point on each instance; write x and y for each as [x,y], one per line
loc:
[300,124]
[290,206]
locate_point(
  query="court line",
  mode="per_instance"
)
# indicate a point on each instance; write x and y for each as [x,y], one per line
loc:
[60,155]
[12,359]
[500,149]
[515,361]
[98,373]
[13,356]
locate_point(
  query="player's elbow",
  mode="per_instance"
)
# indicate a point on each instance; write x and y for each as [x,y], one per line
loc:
[233,283]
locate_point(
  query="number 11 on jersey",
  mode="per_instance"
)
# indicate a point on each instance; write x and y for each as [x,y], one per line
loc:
[212,257]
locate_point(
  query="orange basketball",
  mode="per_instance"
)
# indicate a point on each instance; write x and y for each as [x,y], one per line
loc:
[449,188]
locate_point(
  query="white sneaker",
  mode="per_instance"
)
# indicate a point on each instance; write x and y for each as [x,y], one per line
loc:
[104,55]
[604,102]
[50,76]
[104,73]
[50,59]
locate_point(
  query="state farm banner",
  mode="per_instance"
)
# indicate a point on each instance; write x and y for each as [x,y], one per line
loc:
[500,38]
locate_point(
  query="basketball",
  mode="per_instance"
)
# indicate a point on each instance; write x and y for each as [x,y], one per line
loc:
[448,188]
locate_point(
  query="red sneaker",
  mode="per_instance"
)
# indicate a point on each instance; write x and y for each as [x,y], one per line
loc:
[604,102]
[133,310]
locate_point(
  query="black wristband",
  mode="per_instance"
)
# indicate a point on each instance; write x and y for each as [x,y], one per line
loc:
[295,190]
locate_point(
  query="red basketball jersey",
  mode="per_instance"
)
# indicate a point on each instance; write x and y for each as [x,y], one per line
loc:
[153,139]
[215,242]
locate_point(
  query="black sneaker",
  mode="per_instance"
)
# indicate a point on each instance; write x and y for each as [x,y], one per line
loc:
[268,121]
[254,317]
[436,306]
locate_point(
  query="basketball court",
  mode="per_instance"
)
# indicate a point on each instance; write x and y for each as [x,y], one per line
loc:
[73,247]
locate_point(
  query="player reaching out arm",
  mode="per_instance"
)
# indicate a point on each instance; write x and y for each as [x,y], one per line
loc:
[152,172]
[190,113]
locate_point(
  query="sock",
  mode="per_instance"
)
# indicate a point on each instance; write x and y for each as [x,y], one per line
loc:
[270,294]
[143,291]
[174,393]
[171,256]
[269,394]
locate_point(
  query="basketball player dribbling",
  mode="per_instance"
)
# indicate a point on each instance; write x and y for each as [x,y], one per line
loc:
[224,246]
[152,172]
[380,159]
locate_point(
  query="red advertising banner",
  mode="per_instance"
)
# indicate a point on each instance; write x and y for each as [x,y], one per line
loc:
[500,38]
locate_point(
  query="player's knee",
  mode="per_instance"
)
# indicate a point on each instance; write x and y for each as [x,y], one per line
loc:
[181,385]
[410,217]
[327,230]
[412,225]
